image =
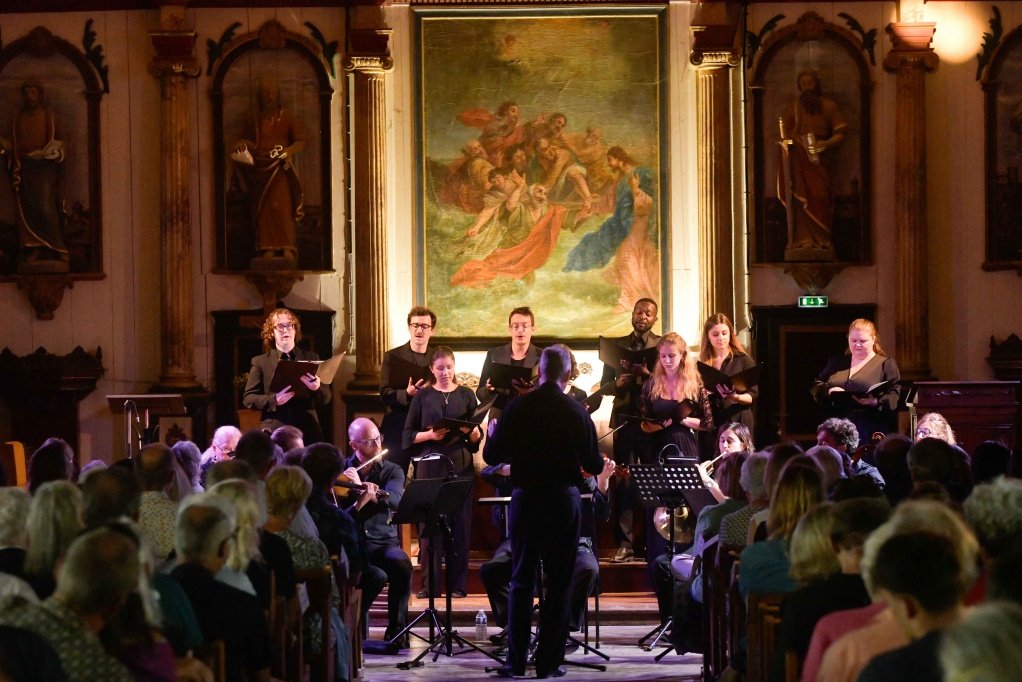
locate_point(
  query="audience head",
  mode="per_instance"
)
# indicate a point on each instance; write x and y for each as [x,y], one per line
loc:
[228,469]
[852,522]
[753,480]
[839,434]
[188,456]
[854,488]
[14,504]
[994,511]
[932,459]
[256,448]
[983,646]
[728,474]
[222,446]
[990,459]
[923,517]
[1002,578]
[934,425]
[110,494]
[54,519]
[734,437]
[799,489]
[287,489]
[99,571]
[891,459]
[830,462]
[288,437]
[811,552]
[555,364]
[202,530]
[53,461]
[322,462]
[294,457]
[249,519]
[780,454]
[89,469]
[155,467]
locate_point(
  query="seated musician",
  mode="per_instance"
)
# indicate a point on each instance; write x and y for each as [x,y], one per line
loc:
[373,515]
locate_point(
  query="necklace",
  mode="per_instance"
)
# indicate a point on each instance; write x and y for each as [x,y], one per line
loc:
[446,395]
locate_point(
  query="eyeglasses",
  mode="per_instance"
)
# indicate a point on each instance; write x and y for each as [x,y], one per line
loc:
[520,326]
[922,433]
[370,441]
[420,325]
[284,326]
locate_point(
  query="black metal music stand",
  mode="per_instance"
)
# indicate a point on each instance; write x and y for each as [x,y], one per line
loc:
[435,505]
[665,486]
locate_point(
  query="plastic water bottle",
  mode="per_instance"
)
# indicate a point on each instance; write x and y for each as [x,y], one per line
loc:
[481,626]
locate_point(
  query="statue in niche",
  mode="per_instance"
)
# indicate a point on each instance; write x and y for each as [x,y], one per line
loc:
[810,129]
[35,156]
[265,173]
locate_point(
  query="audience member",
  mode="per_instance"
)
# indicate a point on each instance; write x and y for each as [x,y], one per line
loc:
[54,519]
[843,436]
[226,469]
[205,524]
[256,448]
[934,425]
[53,461]
[287,438]
[990,460]
[225,440]
[983,646]
[89,469]
[188,458]
[99,571]
[830,462]
[932,459]
[734,527]
[994,511]
[14,505]
[891,458]
[1002,581]
[155,470]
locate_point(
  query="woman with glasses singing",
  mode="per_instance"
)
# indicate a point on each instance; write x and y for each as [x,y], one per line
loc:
[281,331]
[444,398]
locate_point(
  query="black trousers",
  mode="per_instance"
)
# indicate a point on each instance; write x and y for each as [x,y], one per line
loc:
[545,527]
[393,561]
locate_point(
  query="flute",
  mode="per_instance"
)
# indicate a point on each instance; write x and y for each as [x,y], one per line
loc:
[366,463]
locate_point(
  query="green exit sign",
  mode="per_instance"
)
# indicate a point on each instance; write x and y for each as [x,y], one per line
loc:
[813,301]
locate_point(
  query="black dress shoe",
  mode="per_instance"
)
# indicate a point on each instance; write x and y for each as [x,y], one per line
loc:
[458,594]
[507,671]
[422,594]
[556,672]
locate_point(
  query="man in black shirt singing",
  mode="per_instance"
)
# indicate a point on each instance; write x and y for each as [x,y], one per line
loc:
[549,439]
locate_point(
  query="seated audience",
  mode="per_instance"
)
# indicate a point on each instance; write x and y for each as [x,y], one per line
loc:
[155,470]
[990,460]
[983,646]
[891,459]
[187,455]
[287,438]
[98,573]
[734,527]
[830,462]
[54,519]
[52,461]
[934,425]
[225,440]
[779,454]
[204,527]
[14,504]
[934,460]
[994,512]
[843,436]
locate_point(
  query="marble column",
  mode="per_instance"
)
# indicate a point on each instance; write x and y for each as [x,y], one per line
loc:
[369,64]
[713,57]
[174,64]
[910,60]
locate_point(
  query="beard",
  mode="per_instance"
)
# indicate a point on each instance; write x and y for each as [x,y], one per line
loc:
[810,101]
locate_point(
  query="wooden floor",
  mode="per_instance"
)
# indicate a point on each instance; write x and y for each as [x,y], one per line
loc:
[624,618]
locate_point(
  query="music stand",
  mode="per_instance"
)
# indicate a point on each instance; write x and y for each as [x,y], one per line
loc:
[137,409]
[666,486]
[434,502]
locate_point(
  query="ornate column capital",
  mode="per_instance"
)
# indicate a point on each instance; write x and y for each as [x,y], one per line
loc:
[911,46]
[175,54]
[370,51]
[713,30]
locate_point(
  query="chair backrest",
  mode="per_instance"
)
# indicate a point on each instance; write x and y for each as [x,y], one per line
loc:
[764,617]
[214,655]
[727,593]
[14,463]
[317,585]
[351,614]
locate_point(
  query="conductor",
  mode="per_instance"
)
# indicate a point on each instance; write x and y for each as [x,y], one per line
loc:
[549,439]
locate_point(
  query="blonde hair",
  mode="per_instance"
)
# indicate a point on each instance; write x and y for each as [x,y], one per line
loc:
[799,489]
[250,518]
[287,489]
[939,427]
[54,520]
[862,324]
[689,382]
[734,345]
[812,553]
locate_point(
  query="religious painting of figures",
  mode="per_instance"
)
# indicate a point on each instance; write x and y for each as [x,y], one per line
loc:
[271,99]
[1002,84]
[49,160]
[811,129]
[542,170]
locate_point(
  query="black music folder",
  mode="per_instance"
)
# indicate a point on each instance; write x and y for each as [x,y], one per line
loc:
[401,372]
[503,375]
[612,353]
[290,373]
[740,383]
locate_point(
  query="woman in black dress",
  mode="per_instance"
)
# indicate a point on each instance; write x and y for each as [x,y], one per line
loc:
[842,387]
[674,396]
[444,397]
[722,350]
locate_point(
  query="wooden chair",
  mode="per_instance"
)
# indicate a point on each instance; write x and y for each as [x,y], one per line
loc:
[12,457]
[714,649]
[731,602]
[317,585]
[764,616]
[351,614]
[214,655]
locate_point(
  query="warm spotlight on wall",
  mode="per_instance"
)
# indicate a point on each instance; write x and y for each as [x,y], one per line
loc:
[960,28]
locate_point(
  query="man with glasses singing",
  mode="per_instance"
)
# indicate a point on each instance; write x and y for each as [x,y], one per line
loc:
[521,323]
[373,515]
[281,331]
[397,385]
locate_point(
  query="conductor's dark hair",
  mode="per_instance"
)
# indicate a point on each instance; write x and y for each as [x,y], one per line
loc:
[555,362]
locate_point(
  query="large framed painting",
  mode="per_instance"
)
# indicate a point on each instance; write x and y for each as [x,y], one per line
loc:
[1002,87]
[542,169]
[810,124]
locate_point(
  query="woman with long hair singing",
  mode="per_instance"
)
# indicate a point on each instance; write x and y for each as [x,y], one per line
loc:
[675,400]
